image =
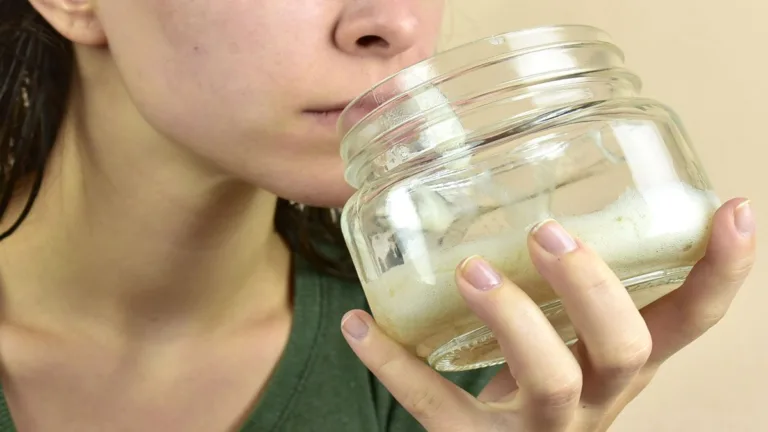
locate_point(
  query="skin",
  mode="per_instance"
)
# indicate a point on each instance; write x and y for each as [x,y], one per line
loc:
[150,263]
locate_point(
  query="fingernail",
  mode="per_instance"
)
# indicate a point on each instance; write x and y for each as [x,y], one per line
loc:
[553,238]
[744,219]
[479,274]
[354,326]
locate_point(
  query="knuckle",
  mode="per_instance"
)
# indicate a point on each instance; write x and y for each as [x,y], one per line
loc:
[627,358]
[559,392]
[599,283]
[727,270]
[705,318]
[422,403]
[696,320]
[739,270]
[389,363]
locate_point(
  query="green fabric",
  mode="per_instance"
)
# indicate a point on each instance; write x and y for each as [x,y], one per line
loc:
[6,424]
[319,384]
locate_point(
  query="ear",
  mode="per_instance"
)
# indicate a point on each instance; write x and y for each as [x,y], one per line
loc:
[76,20]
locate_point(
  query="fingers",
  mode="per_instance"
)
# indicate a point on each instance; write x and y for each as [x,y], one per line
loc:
[548,375]
[686,313]
[614,339]
[546,380]
[435,402]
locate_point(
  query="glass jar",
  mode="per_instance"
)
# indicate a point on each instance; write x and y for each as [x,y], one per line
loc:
[464,153]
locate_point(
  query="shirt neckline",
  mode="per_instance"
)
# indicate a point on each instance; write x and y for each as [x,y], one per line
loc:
[295,364]
[293,367]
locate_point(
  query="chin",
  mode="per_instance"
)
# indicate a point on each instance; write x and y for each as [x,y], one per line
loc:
[324,194]
[329,198]
[321,184]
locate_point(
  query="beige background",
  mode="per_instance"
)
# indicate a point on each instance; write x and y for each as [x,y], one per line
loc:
[709,63]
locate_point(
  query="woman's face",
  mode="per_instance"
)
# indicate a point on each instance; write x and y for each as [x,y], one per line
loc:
[255,86]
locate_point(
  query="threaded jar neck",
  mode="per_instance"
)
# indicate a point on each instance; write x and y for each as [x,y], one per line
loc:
[444,106]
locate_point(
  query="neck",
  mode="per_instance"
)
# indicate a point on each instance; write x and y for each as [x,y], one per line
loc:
[132,236]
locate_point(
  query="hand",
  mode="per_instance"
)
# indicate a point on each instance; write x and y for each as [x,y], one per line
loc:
[547,386]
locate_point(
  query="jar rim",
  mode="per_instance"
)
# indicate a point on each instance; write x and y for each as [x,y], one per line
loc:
[426,71]
[456,97]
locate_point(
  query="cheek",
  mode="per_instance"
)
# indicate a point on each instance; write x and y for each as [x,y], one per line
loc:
[224,83]
[224,78]
[204,70]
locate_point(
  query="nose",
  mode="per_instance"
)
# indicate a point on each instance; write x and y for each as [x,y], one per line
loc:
[378,28]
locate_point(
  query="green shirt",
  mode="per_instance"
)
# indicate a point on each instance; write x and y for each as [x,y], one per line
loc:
[319,384]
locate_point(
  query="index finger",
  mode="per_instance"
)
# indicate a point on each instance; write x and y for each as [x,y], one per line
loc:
[686,313]
[434,401]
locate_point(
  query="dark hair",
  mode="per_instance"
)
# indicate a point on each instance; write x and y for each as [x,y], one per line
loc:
[36,67]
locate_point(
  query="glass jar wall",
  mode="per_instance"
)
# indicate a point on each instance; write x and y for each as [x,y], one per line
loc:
[464,153]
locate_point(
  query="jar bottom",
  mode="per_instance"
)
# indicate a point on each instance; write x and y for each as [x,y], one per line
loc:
[479,348]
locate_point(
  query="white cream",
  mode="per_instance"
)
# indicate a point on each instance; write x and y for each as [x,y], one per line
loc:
[659,228]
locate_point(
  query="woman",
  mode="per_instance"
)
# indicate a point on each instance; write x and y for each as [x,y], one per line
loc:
[159,284]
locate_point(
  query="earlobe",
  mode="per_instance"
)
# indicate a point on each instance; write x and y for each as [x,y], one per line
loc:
[76,20]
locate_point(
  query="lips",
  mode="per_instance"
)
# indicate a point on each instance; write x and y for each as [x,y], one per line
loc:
[351,112]
[328,108]
[358,110]
[330,114]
